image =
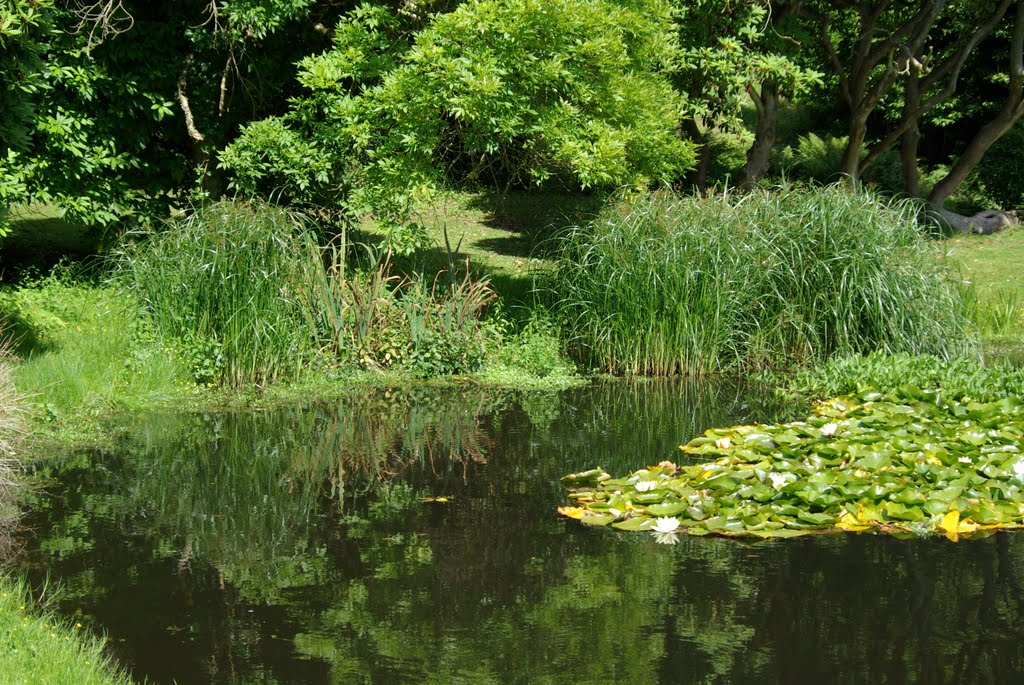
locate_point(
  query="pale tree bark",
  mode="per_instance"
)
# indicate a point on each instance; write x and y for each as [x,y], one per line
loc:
[766,102]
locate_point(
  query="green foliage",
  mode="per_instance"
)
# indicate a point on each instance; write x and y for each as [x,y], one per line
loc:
[1002,170]
[224,283]
[39,648]
[84,353]
[816,158]
[908,462]
[493,92]
[727,47]
[664,284]
[377,319]
[957,379]
[532,357]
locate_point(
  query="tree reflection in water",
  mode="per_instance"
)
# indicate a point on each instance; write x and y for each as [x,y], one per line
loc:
[295,545]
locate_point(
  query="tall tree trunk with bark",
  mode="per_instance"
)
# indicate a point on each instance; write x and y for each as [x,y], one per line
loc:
[766,102]
[1013,109]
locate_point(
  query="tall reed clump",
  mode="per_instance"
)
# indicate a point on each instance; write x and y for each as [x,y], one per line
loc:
[667,284]
[375,318]
[222,284]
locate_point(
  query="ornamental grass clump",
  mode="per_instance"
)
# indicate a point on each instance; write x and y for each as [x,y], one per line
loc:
[222,284]
[665,284]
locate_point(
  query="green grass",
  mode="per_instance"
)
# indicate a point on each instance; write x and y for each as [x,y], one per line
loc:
[664,284]
[992,264]
[84,354]
[37,648]
[503,235]
[224,284]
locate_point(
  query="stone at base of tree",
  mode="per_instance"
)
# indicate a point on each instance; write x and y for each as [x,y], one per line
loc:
[984,223]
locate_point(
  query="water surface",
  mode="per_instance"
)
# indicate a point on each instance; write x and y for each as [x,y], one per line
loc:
[296,546]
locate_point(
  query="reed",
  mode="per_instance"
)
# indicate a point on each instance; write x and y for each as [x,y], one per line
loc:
[223,283]
[664,284]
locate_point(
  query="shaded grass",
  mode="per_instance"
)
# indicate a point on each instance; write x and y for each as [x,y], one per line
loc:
[663,284]
[38,648]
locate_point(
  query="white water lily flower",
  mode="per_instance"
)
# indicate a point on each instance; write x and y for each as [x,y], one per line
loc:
[723,443]
[829,429]
[666,538]
[645,485]
[666,524]
[780,480]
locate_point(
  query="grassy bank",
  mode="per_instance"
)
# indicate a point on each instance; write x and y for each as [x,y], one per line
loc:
[37,648]
[662,284]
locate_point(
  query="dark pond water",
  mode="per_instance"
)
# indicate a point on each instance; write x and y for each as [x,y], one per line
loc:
[293,546]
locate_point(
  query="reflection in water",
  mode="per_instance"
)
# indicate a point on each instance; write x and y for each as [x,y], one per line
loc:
[296,546]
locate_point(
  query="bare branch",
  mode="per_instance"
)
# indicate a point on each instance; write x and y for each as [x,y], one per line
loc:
[103,19]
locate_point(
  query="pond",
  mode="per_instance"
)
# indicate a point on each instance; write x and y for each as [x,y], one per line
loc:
[410,536]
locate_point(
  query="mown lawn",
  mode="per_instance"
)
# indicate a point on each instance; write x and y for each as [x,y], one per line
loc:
[994,265]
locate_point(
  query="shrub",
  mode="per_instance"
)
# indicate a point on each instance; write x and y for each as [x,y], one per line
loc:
[223,284]
[667,284]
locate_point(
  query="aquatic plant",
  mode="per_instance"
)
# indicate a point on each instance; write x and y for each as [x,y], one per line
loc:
[908,462]
[222,285]
[664,284]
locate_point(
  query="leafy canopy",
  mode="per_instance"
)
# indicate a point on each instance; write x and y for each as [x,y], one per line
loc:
[514,93]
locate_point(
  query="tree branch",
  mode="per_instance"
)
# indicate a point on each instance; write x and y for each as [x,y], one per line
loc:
[190,123]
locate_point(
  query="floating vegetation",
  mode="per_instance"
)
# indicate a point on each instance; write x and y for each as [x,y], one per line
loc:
[910,462]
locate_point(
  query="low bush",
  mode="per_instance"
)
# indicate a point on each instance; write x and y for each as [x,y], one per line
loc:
[957,379]
[665,284]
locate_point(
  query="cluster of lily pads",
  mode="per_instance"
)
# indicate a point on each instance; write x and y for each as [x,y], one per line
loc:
[910,462]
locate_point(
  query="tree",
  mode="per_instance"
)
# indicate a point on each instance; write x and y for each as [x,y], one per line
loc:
[24,27]
[497,91]
[131,98]
[916,55]
[730,50]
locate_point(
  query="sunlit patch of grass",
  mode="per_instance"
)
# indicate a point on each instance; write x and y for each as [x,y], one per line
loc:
[39,648]
[992,264]
[85,353]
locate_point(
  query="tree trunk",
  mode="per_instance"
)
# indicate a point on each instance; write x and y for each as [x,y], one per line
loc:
[985,223]
[699,176]
[759,154]
[912,136]
[850,165]
[989,221]
[975,150]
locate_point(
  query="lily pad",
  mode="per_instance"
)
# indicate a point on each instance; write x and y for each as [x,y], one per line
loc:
[907,462]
